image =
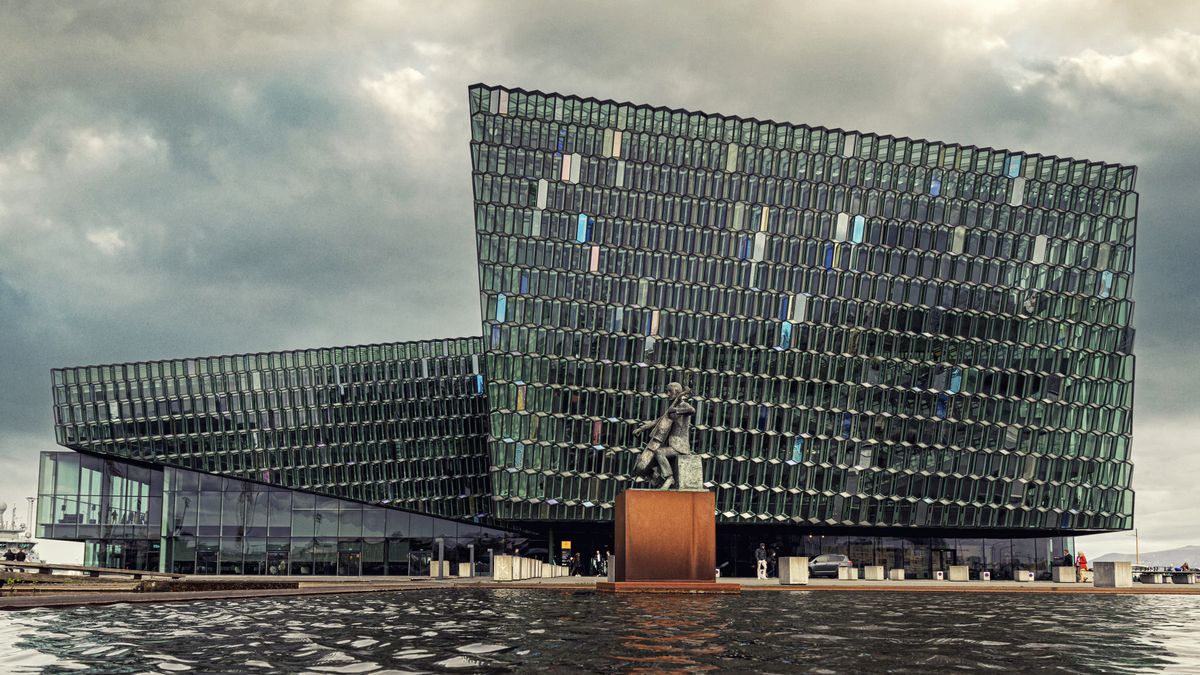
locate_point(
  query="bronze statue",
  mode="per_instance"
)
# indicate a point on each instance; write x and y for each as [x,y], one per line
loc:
[668,436]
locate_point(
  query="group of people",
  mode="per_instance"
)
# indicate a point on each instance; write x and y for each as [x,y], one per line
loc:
[1079,562]
[577,566]
[14,556]
[766,561]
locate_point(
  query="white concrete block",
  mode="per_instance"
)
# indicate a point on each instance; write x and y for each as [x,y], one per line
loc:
[896,574]
[985,576]
[960,573]
[503,568]
[1113,574]
[1064,575]
[464,570]
[847,573]
[1024,576]
[872,572]
[793,571]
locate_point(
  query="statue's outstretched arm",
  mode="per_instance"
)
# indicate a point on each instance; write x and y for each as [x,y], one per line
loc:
[683,408]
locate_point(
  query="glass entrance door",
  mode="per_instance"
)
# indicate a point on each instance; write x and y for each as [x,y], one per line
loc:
[349,559]
[943,559]
[419,563]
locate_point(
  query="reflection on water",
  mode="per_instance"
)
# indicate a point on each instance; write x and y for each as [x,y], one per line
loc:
[527,630]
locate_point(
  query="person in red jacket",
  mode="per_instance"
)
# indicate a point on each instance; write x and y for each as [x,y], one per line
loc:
[1080,566]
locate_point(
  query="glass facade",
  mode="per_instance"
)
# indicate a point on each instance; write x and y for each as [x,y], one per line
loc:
[399,423]
[154,517]
[879,331]
[918,556]
[910,350]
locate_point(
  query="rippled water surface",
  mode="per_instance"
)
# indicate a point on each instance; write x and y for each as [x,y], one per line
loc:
[530,630]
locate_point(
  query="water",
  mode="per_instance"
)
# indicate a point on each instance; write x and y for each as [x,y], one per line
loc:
[529,630]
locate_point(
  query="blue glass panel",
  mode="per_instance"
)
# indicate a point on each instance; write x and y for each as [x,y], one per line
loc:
[501,307]
[1106,283]
[524,282]
[519,457]
[479,384]
[495,337]
[581,229]
[783,309]
[860,227]
[847,420]
[955,380]
[941,405]
[1012,166]
[798,450]
[785,335]
[935,187]
[829,256]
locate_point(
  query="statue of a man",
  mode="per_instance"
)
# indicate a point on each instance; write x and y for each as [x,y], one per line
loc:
[668,436]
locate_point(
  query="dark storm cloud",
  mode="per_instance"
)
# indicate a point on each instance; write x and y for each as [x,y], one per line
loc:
[194,178]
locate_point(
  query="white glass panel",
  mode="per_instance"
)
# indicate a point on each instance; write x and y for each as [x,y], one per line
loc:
[843,227]
[1018,192]
[1039,248]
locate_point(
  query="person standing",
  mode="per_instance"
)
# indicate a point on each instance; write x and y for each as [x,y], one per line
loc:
[772,563]
[760,555]
[1080,567]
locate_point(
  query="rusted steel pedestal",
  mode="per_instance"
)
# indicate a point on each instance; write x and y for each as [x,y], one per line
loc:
[666,543]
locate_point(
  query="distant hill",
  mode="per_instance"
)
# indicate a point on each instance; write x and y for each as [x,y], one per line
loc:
[1171,557]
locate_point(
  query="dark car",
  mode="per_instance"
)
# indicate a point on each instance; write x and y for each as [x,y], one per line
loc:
[827,564]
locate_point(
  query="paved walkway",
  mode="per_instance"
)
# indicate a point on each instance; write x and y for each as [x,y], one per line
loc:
[337,585]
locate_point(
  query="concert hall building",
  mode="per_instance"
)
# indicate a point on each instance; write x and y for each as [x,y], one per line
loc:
[910,352]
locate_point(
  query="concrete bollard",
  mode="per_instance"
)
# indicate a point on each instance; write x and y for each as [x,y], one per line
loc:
[1112,574]
[793,571]
[847,573]
[503,568]
[464,570]
[872,572]
[939,575]
[612,567]
[896,574]
[1064,575]
[960,573]
[985,576]
[1023,576]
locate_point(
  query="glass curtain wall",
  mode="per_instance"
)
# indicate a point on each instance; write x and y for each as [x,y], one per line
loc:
[195,523]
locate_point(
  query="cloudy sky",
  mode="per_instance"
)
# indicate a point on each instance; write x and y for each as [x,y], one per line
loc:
[194,178]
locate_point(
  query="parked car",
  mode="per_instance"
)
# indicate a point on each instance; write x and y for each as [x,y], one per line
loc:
[827,564]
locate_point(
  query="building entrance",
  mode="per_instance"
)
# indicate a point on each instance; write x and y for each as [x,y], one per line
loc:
[943,559]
